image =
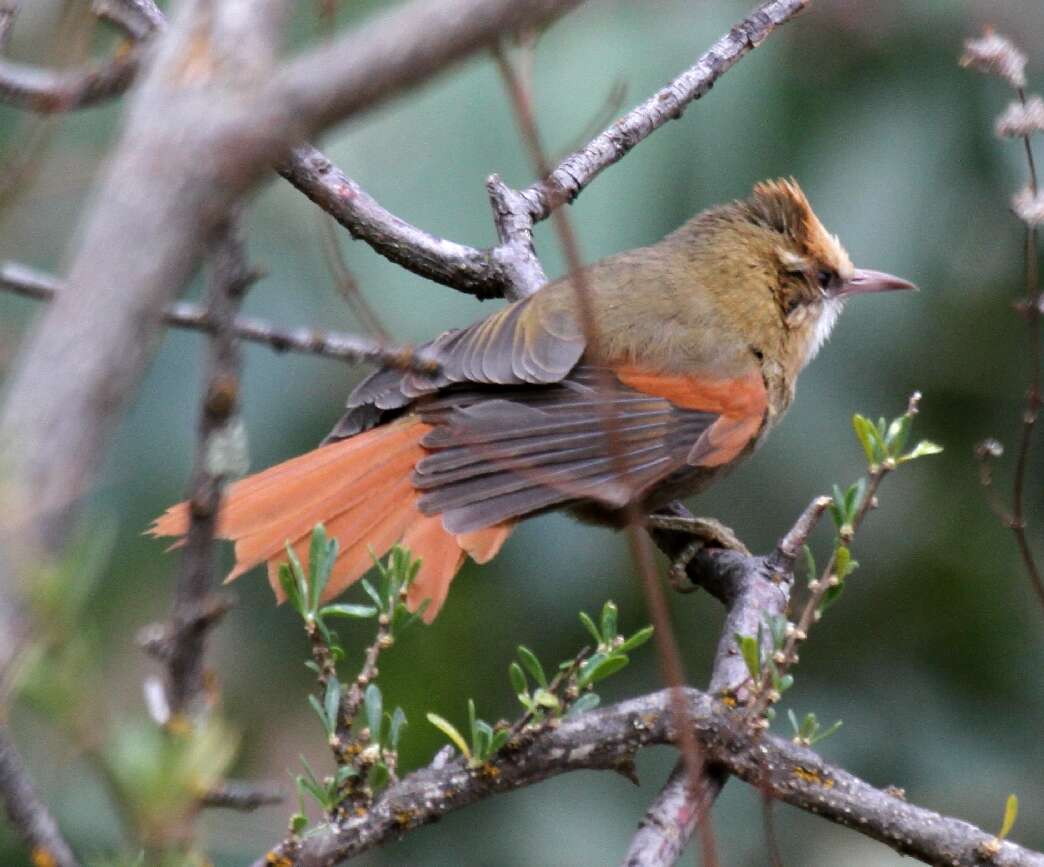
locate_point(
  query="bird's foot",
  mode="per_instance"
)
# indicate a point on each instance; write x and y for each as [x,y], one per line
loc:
[704,533]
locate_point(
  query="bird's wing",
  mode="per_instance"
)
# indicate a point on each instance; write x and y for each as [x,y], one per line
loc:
[497,454]
[528,342]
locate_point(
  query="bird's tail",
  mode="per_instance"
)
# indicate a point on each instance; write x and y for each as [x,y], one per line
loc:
[360,489]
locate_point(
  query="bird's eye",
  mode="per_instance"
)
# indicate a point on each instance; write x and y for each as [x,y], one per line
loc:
[825,278]
[791,306]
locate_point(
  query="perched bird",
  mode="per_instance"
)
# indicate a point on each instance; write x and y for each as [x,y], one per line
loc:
[700,340]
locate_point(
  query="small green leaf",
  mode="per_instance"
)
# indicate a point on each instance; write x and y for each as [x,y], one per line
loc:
[748,647]
[450,731]
[344,774]
[831,596]
[482,740]
[360,612]
[854,499]
[842,558]
[637,640]
[898,433]
[609,618]
[290,588]
[318,568]
[299,579]
[867,436]
[500,738]
[827,732]
[546,698]
[862,431]
[777,624]
[588,701]
[332,703]
[596,669]
[517,678]
[318,708]
[837,507]
[786,682]
[395,726]
[810,562]
[589,625]
[922,449]
[373,703]
[368,587]
[1011,813]
[378,777]
[532,664]
[471,718]
[298,823]
[793,722]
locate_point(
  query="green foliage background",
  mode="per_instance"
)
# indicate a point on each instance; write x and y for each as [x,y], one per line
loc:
[933,658]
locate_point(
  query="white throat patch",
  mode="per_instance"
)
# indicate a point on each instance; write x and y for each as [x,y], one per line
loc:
[824,325]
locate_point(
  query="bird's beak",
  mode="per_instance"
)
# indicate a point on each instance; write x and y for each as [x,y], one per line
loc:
[864,280]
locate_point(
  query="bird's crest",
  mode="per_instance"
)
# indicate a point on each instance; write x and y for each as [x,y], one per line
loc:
[782,206]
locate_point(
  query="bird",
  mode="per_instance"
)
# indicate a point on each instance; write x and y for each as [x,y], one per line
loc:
[694,355]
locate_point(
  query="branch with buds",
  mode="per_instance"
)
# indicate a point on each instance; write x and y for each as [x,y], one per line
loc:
[994,54]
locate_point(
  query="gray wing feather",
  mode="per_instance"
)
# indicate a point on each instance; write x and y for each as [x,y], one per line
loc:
[497,454]
[507,348]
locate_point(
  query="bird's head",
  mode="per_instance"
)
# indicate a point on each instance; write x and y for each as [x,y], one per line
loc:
[813,274]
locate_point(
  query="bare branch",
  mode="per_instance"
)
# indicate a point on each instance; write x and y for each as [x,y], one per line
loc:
[30,283]
[48,91]
[27,813]
[219,454]
[396,51]
[242,796]
[139,19]
[609,738]
[752,588]
[580,168]
[465,268]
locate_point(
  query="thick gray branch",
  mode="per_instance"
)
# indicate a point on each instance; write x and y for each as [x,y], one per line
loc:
[608,739]
[465,268]
[30,283]
[396,51]
[752,589]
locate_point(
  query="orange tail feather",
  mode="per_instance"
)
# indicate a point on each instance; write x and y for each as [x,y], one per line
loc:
[359,489]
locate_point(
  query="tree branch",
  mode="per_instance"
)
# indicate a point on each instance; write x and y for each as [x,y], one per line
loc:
[27,813]
[30,283]
[47,91]
[218,456]
[465,268]
[609,738]
[577,170]
[752,589]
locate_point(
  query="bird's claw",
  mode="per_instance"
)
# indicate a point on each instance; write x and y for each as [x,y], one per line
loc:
[704,533]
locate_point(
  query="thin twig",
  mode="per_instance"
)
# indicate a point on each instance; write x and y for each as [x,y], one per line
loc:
[8,13]
[581,167]
[47,91]
[216,460]
[30,283]
[242,796]
[995,54]
[1031,307]
[27,813]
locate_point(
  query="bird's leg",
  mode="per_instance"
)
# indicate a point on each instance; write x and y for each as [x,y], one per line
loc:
[704,533]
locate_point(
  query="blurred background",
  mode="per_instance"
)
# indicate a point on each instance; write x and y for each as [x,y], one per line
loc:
[933,658]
